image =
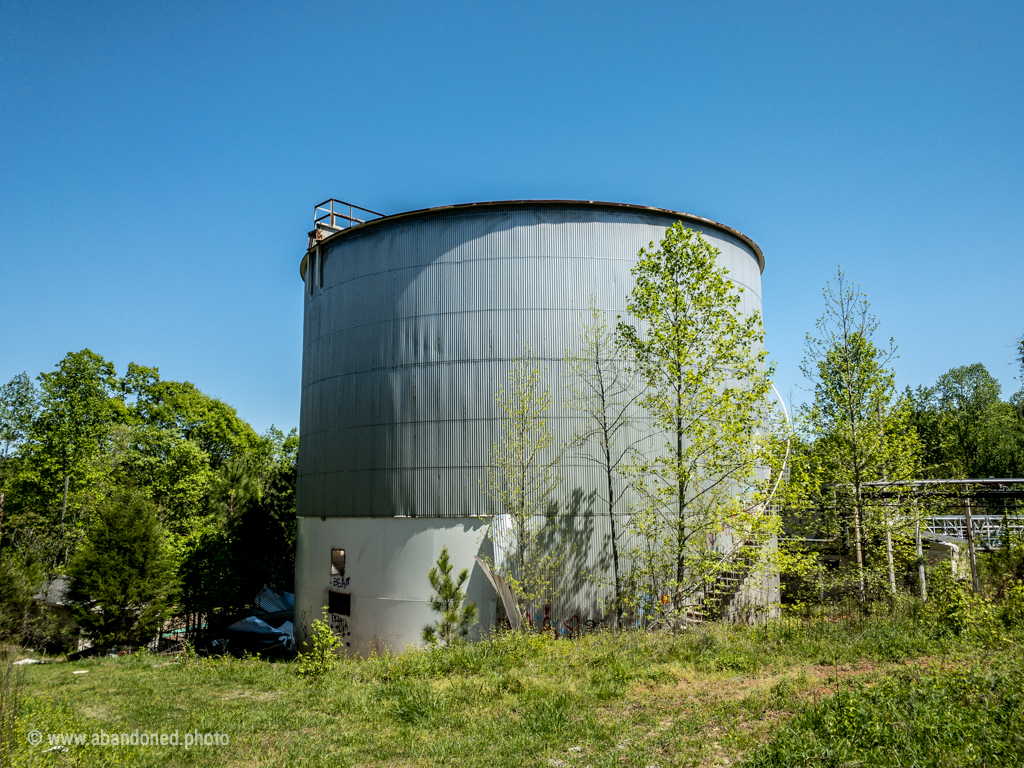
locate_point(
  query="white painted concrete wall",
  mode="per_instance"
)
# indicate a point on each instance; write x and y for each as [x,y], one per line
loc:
[387,561]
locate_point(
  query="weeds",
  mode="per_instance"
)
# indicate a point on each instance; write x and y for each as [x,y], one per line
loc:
[936,718]
[10,704]
[188,654]
[1011,613]
[700,697]
[323,655]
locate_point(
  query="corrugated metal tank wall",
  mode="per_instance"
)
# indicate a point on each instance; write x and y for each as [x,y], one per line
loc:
[413,331]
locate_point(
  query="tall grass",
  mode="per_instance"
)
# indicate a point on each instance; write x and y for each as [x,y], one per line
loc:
[967,717]
[10,703]
[698,697]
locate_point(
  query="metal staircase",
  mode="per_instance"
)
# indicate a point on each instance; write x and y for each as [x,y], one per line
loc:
[715,600]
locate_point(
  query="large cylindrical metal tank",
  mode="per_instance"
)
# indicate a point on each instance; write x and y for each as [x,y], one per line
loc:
[411,325]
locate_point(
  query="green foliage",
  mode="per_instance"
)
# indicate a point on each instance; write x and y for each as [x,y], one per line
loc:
[223,495]
[1020,354]
[23,620]
[456,616]
[234,489]
[702,365]
[262,535]
[522,476]
[188,654]
[180,409]
[247,537]
[968,400]
[956,611]
[15,601]
[1002,569]
[101,431]
[855,431]
[966,429]
[78,405]
[19,402]
[202,552]
[1011,612]
[120,580]
[322,656]
[61,466]
[937,718]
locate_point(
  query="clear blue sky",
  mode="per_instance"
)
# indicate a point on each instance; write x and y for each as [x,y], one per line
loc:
[159,162]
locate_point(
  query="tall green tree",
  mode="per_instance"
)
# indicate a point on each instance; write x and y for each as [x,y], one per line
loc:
[246,539]
[79,403]
[19,402]
[859,428]
[1020,357]
[977,424]
[223,494]
[121,579]
[703,367]
[1017,401]
[189,414]
[965,428]
[937,460]
[18,405]
[63,464]
[262,527]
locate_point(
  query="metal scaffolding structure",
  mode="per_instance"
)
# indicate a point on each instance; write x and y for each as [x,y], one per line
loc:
[986,510]
[980,512]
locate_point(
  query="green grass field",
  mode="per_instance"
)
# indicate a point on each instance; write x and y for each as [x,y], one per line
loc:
[877,691]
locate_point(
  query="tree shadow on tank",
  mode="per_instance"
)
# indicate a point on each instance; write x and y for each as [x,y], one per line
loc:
[584,565]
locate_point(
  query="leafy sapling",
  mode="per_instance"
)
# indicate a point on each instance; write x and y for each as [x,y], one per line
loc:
[449,600]
[322,656]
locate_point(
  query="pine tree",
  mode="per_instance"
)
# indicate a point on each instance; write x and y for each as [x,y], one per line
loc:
[121,576]
[456,618]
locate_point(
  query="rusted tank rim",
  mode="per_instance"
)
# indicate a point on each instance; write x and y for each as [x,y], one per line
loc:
[441,209]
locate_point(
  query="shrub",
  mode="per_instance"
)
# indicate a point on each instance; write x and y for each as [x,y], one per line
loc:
[15,601]
[1011,613]
[949,606]
[323,654]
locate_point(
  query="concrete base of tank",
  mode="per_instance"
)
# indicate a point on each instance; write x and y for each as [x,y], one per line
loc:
[378,596]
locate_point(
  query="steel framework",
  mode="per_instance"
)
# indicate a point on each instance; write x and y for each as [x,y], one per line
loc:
[992,508]
[330,217]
